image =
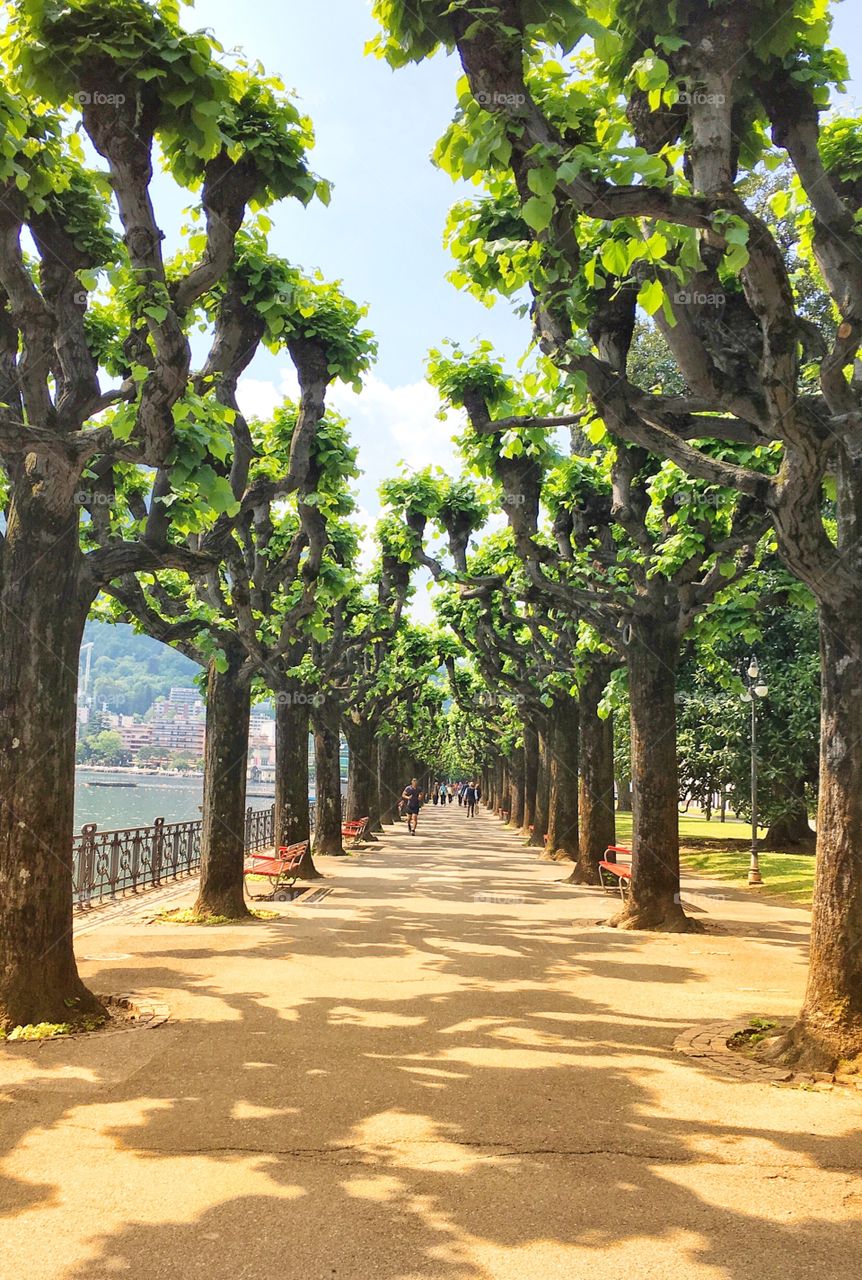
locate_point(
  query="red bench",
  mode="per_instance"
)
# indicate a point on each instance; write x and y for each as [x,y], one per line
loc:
[281,868]
[621,870]
[353,831]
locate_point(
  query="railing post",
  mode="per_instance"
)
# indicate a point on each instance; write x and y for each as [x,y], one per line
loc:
[83,868]
[158,838]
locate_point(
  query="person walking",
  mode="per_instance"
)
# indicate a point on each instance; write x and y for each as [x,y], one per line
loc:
[460,793]
[470,799]
[435,795]
[412,797]
[444,791]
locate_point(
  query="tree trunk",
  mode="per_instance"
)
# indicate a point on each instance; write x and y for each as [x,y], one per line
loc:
[327,759]
[389,796]
[505,805]
[653,901]
[531,778]
[42,613]
[563,806]
[375,808]
[543,789]
[516,815]
[596,808]
[291,775]
[225,764]
[624,795]
[792,829]
[830,1024]
[361,772]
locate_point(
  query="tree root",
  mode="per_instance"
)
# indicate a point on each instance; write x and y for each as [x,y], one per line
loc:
[583,875]
[226,908]
[655,920]
[803,1048]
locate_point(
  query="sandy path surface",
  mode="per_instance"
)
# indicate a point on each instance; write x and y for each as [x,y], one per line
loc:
[442,1068]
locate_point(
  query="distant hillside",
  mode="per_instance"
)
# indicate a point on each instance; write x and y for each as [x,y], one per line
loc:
[128,671]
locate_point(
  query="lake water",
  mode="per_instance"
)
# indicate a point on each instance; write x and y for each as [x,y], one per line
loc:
[174,799]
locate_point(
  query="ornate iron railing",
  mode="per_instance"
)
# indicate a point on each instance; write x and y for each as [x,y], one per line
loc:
[106,864]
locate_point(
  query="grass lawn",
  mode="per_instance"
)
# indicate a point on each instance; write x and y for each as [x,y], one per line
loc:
[721,849]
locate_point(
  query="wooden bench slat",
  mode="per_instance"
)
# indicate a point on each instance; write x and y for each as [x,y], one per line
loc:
[354,829]
[281,869]
[621,869]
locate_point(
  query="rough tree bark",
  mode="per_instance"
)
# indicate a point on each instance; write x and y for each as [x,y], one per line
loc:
[505,805]
[361,771]
[624,795]
[653,901]
[829,1028]
[42,613]
[531,778]
[563,806]
[516,816]
[389,780]
[792,828]
[597,825]
[543,788]
[326,722]
[221,891]
[291,776]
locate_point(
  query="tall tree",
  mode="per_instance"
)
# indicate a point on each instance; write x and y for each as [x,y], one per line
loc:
[131,78]
[708,95]
[632,546]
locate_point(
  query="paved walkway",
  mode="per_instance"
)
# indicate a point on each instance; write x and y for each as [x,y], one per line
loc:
[443,1069]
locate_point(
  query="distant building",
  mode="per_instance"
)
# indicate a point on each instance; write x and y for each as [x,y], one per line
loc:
[261,743]
[134,734]
[185,697]
[178,723]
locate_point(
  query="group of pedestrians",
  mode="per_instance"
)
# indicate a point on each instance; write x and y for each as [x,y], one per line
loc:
[412,798]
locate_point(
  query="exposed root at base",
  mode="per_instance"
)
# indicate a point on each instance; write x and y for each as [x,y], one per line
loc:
[675,921]
[802,1049]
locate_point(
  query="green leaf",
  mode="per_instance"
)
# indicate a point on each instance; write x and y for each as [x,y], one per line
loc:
[542,181]
[615,257]
[538,211]
[650,296]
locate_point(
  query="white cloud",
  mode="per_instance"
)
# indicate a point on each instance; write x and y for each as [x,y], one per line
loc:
[389,425]
[394,424]
[259,397]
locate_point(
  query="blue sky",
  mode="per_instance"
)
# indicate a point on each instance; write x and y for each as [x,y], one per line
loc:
[382,232]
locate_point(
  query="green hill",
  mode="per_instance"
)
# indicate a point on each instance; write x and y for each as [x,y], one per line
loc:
[129,671]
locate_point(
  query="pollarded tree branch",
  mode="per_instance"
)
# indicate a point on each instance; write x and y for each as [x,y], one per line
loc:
[29,315]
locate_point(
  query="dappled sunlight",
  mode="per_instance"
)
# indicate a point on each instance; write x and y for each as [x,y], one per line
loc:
[439,1095]
[372,1018]
[411,1141]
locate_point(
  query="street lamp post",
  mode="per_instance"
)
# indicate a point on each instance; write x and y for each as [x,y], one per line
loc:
[754,689]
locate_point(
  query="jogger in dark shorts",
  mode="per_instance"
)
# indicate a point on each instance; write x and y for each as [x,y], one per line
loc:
[412,797]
